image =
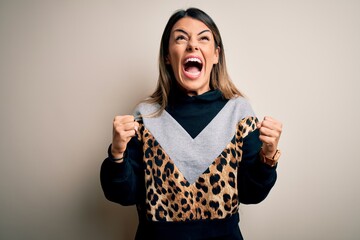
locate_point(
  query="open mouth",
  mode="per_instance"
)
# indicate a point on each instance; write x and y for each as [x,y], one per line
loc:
[192,67]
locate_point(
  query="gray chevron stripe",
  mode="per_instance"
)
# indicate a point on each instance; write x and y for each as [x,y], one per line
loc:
[193,156]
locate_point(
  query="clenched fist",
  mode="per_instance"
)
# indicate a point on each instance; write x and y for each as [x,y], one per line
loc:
[124,128]
[270,131]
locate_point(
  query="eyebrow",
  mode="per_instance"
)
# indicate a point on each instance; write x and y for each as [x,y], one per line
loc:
[183,31]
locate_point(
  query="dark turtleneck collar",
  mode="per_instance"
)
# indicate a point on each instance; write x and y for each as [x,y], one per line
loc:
[181,97]
[194,113]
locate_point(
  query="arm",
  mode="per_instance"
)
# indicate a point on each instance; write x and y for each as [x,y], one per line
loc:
[123,182]
[255,178]
[122,172]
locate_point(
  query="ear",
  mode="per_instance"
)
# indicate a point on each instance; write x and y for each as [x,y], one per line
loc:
[216,55]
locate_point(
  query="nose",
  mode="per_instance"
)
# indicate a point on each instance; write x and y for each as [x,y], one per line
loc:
[192,46]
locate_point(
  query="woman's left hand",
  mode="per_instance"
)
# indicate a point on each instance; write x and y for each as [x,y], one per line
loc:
[270,131]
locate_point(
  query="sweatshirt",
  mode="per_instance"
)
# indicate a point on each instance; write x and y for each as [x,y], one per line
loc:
[188,170]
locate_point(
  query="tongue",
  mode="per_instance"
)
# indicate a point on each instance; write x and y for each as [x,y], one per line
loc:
[192,69]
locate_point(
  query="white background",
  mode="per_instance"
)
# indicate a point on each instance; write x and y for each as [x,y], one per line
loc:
[68,67]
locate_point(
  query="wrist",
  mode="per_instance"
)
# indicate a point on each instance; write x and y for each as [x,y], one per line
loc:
[116,156]
[272,159]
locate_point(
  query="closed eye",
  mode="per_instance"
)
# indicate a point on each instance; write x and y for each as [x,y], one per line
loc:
[180,37]
[205,38]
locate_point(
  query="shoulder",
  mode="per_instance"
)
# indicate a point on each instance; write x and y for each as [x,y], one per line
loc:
[242,107]
[145,108]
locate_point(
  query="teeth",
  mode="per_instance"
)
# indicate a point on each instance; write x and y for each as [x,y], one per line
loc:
[193,60]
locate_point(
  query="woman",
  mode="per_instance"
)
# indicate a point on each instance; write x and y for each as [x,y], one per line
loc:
[194,150]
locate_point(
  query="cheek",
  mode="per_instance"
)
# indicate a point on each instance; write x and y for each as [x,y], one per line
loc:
[174,59]
[211,56]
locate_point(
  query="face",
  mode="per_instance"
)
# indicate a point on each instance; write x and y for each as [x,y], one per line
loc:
[192,54]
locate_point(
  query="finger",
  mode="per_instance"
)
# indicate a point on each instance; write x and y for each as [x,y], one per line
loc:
[258,125]
[267,122]
[136,126]
[123,133]
[269,132]
[124,119]
[127,126]
[266,119]
[272,120]
[269,118]
[124,122]
[272,125]
[269,142]
[129,134]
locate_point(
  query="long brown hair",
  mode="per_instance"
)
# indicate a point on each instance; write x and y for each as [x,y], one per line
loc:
[219,77]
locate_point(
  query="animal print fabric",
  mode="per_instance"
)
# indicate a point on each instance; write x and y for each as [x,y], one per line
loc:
[214,195]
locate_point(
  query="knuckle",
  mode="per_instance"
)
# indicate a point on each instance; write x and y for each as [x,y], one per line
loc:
[118,129]
[128,118]
[117,118]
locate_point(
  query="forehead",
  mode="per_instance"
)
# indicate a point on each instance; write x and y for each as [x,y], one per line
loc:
[189,25]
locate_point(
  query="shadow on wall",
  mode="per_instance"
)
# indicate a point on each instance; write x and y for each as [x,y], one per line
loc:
[119,222]
[104,219]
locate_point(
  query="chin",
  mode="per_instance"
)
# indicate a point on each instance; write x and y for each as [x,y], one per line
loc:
[194,86]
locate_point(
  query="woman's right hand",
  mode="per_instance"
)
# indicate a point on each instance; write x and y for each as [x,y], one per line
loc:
[124,128]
